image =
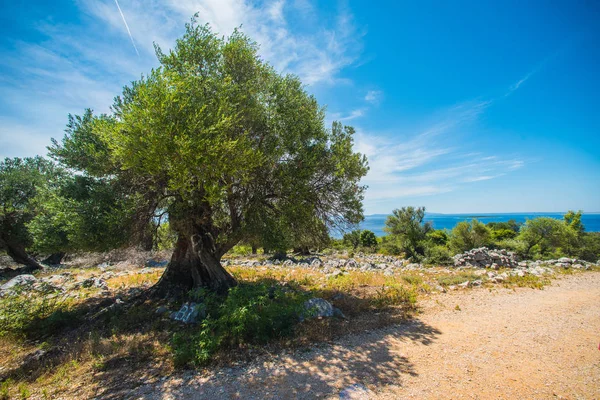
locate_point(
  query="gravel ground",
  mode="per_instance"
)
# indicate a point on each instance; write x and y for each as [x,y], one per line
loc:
[501,344]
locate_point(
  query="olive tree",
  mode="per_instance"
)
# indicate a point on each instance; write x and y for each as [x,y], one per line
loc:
[216,139]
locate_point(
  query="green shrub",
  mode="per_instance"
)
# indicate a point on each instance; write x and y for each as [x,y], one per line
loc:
[502,234]
[412,279]
[390,247]
[530,281]
[438,255]
[395,295]
[447,280]
[251,313]
[22,314]
[368,239]
[518,246]
[469,235]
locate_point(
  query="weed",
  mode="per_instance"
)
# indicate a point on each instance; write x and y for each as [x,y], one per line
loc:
[394,296]
[5,389]
[447,280]
[530,281]
[412,279]
[457,308]
[24,392]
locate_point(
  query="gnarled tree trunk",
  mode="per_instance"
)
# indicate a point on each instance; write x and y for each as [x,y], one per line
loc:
[195,263]
[17,252]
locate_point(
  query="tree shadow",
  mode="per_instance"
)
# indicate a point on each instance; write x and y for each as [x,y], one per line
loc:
[303,371]
[372,359]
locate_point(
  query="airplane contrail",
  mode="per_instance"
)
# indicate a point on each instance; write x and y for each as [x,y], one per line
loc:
[127,26]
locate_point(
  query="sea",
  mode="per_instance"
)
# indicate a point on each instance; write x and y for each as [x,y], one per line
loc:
[376,222]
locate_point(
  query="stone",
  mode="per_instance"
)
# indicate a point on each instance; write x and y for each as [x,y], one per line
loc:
[162,310]
[94,282]
[20,280]
[318,308]
[356,391]
[156,264]
[351,263]
[190,313]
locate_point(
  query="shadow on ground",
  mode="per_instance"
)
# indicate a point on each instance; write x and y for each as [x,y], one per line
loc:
[370,359]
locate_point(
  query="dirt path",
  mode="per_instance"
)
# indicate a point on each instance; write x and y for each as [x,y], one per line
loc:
[505,344]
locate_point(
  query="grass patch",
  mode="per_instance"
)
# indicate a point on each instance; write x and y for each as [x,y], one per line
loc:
[412,279]
[530,281]
[28,314]
[396,295]
[448,280]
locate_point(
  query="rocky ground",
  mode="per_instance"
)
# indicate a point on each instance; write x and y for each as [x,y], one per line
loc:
[478,335]
[502,343]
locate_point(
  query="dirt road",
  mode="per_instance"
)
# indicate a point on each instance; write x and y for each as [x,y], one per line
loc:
[504,344]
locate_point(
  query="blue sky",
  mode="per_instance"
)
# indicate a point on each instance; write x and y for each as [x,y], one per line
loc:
[459,106]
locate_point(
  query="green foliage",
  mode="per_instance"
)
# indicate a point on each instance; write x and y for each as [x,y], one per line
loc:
[503,234]
[438,255]
[511,224]
[407,227]
[546,237]
[573,221]
[22,314]
[468,235]
[165,237]
[352,239]
[438,237]
[250,314]
[20,182]
[82,214]
[390,246]
[589,247]
[368,239]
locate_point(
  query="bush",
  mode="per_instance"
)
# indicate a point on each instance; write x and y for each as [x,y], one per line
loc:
[518,246]
[368,239]
[390,247]
[251,313]
[502,234]
[438,255]
[469,235]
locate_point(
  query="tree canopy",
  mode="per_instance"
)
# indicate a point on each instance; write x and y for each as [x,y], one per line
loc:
[217,140]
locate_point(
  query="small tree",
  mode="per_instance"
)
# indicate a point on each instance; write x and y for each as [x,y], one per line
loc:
[20,181]
[468,235]
[217,139]
[368,239]
[543,235]
[407,226]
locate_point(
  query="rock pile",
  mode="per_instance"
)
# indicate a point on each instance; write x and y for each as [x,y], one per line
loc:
[486,258]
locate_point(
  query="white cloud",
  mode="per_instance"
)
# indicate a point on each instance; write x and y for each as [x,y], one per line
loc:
[86,65]
[373,96]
